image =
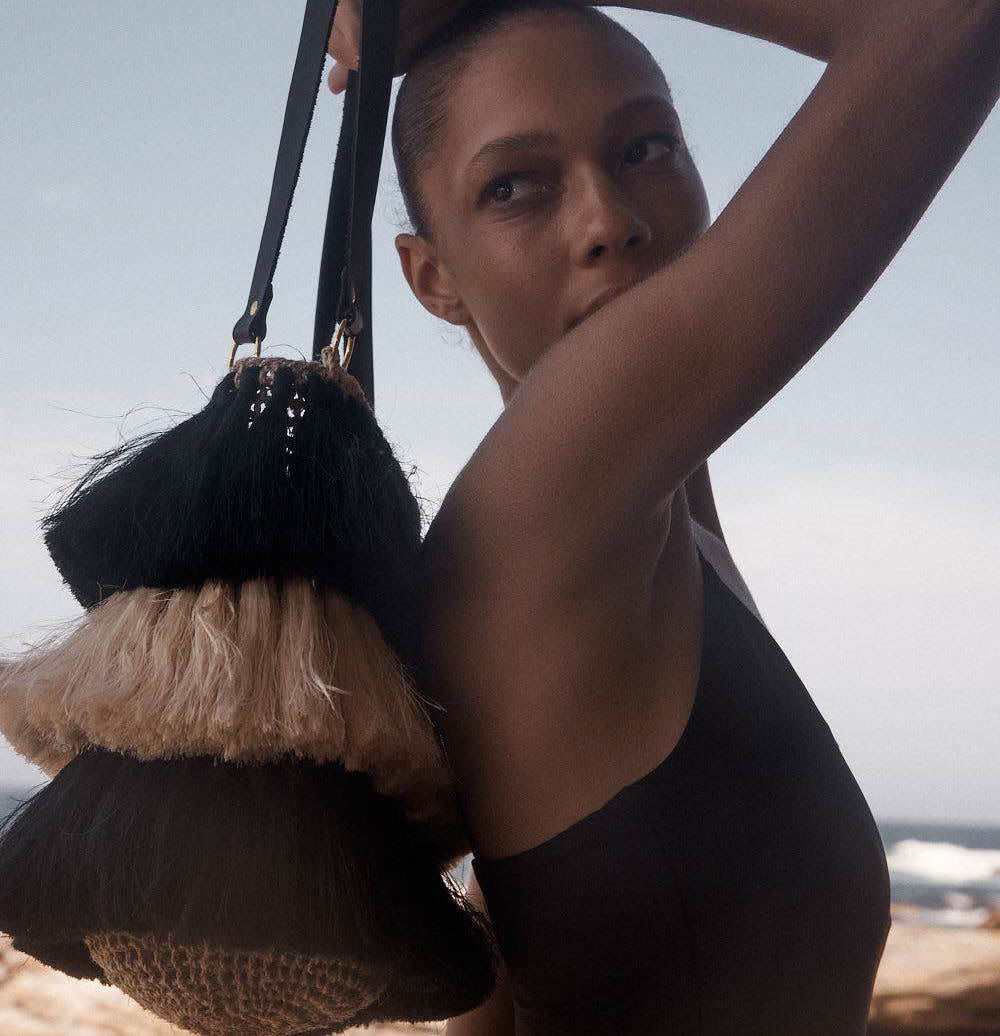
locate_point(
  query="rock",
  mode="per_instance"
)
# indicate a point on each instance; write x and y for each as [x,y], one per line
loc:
[39,1001]
[931,982]
[937,982]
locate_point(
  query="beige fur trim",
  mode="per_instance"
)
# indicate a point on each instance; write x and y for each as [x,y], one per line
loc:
[247,672]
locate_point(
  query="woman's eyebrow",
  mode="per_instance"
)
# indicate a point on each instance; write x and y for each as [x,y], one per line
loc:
[512,142]
[526,141]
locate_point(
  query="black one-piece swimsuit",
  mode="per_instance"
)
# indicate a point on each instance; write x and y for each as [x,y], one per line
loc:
[738,888]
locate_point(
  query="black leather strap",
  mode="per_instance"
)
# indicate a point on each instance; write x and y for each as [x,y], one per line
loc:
[317,25]
[332,265]
[345,269]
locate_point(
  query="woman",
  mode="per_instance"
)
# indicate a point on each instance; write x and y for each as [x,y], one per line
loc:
[666,834]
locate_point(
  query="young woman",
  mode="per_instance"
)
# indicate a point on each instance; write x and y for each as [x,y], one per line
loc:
[666,834]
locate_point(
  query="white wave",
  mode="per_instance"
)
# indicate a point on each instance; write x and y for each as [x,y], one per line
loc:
[943,863]
[942,918]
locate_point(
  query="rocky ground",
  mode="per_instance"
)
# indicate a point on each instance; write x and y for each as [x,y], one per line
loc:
[932,982]
[938,982]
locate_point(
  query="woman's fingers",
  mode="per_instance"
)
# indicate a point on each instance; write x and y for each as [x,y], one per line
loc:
[336,78]
[344,44]
[418,19]
[345,37]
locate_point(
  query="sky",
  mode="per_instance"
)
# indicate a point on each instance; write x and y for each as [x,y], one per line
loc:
[862,503]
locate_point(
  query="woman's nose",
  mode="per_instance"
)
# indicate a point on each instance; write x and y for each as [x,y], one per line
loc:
[606,222]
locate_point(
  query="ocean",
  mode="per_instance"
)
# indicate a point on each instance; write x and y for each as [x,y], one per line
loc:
[946,875]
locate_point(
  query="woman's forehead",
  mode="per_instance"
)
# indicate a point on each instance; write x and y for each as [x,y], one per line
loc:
[552,79]
[547,64]
[544,88]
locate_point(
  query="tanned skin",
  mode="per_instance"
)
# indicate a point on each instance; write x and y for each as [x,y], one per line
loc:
[562,589]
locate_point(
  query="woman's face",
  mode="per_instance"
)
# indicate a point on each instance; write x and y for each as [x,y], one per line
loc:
[561,173]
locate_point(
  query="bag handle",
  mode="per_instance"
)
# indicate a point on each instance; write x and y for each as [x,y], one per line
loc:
[346,263]
[347,242]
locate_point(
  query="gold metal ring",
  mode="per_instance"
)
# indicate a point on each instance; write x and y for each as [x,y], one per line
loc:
[232,352]
[341,333]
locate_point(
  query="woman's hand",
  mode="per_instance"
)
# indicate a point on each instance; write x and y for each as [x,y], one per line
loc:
[418,20]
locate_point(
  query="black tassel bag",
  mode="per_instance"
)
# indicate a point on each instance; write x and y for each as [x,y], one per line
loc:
[250,816]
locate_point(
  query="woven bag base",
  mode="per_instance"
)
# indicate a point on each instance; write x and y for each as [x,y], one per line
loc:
[231,992]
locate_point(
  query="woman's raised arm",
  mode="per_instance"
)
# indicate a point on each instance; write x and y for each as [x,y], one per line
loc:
[812,27]
[614,416]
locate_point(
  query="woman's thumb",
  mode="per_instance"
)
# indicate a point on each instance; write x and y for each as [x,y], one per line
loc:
[337,77]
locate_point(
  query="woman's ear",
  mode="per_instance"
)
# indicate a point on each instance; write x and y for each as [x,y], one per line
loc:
[429,280]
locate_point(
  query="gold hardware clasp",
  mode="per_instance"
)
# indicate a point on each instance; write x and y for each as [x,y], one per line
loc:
[342,333]
[232,352]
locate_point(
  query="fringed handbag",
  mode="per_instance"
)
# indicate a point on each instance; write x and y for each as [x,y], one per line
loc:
[250,817]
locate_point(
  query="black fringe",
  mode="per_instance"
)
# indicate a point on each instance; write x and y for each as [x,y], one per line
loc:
[229,494]
[288,855]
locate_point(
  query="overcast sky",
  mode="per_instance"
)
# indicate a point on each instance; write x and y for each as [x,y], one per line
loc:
[862,504]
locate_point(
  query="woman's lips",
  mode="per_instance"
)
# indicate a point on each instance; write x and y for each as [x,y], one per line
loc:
[596,302]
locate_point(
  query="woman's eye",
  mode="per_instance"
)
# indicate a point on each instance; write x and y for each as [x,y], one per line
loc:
[502,189]
[656,145]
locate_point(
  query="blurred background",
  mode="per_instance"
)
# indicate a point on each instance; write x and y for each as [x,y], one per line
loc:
[862,504]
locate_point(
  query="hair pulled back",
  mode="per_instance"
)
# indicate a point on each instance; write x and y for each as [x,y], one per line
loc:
[422,101]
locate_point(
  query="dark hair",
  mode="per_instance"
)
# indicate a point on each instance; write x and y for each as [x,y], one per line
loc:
[421,103]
